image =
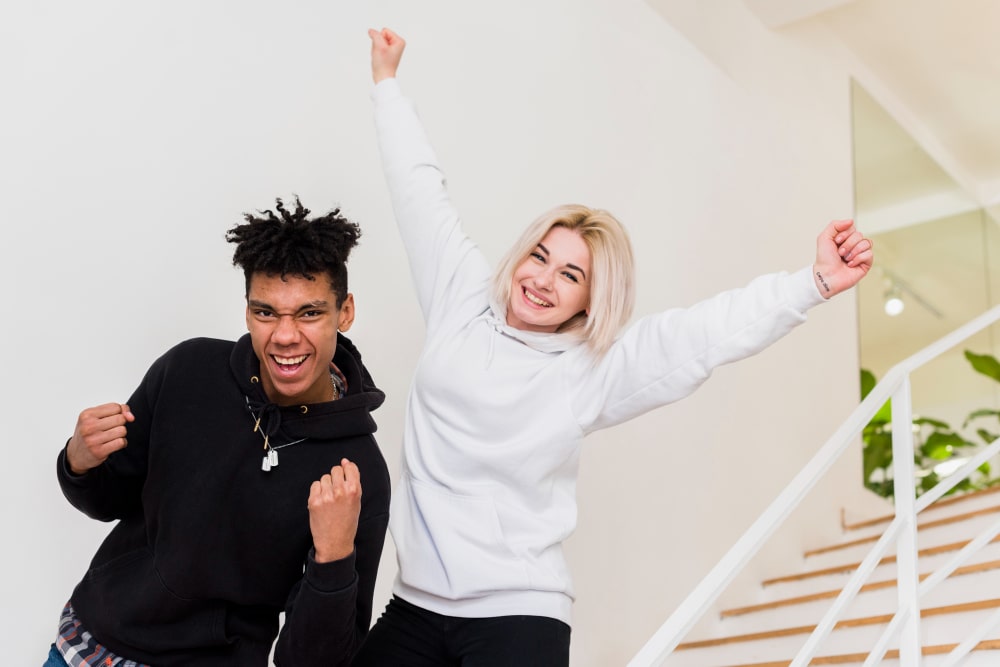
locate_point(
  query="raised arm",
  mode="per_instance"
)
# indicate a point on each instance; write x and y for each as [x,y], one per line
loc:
[449,272]
[664,357]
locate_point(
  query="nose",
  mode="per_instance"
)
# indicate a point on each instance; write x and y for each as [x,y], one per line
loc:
[543,279]
[286,331]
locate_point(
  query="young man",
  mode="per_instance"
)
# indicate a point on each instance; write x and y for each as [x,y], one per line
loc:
[234,473]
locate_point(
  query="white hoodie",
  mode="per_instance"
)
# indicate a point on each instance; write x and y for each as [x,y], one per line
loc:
[496,416]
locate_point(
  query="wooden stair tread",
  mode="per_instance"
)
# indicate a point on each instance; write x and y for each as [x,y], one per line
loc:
[825,595]
[920,526]
[851,658]
[870,620]
[942,502]
[850,567]
[979,605]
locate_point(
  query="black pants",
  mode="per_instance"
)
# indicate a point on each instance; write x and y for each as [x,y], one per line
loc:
[408,636]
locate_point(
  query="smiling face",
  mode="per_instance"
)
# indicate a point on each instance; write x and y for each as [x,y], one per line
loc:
[293,325]
[551,284]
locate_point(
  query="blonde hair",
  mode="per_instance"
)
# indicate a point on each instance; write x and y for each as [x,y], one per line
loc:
[612,280]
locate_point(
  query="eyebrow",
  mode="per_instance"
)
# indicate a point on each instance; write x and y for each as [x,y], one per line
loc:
[253,303]
[571,266]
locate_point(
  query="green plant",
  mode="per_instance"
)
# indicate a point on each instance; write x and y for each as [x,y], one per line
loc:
[935,441]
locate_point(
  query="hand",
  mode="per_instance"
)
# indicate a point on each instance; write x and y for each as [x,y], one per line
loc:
[387,50]
[334,507]
[99,432]
[843,258]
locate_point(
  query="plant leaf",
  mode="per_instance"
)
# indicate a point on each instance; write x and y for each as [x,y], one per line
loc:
[936,423]
[868,382]
[877,453]
[938,451]
[938,440]
[976,414]
[987,436]
[986,364]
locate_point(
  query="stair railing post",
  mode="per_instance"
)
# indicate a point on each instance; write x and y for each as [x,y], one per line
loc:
[904,492]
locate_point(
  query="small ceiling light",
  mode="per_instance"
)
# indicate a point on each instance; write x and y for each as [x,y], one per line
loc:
[894,304]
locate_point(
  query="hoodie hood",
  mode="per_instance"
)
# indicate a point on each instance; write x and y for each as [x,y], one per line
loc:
[553,343]
[348,416]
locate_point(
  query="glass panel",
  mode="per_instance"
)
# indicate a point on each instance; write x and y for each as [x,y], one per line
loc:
[937,252]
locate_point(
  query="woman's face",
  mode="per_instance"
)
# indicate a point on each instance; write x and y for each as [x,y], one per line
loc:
[552,284]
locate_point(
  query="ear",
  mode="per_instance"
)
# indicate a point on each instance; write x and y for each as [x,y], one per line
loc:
[346,317]
[248,317]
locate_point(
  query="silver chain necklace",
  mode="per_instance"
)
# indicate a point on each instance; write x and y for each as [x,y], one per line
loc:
[270,459]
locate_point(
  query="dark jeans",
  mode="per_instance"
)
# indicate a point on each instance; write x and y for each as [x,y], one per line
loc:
[408,636]
[54,659]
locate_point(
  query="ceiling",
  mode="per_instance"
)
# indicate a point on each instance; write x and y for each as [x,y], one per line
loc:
[934,65]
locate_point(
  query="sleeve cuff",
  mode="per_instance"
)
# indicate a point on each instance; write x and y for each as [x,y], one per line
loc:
[65,472]
[803,292]
[333,576]
[386,89]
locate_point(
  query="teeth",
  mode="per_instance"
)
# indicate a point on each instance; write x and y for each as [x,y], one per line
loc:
[290,361]
[534,299]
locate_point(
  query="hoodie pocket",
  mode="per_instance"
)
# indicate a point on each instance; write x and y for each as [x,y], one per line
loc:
[126,601]
[452,545]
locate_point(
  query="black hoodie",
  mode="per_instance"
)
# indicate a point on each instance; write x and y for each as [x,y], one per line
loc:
[209,548]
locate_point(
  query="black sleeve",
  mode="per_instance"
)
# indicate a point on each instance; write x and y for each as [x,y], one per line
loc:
[112,490]
[329,610]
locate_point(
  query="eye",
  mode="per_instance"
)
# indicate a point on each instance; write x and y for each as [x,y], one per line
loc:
[571,276]
[312,314]
[538,256]
[262,314]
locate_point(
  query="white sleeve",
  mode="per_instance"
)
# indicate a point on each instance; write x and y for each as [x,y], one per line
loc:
[444,262]
[664,357]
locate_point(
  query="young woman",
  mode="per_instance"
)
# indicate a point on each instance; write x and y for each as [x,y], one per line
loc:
[519,365]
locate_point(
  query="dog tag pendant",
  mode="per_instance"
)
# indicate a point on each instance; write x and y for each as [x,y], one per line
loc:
[272,457]
[266,464]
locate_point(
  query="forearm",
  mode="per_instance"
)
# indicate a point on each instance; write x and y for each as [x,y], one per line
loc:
[439,251]
[415,181]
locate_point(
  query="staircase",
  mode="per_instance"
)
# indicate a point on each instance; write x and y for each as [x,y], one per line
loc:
[770,631]
[924,579]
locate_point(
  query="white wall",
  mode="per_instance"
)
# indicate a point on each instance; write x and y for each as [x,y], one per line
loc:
[134,134]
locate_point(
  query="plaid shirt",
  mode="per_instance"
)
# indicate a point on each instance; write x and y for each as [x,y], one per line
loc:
[79,648]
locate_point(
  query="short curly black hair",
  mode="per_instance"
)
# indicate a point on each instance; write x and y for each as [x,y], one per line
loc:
[289,243]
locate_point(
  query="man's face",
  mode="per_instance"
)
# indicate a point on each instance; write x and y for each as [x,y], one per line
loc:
[293,325]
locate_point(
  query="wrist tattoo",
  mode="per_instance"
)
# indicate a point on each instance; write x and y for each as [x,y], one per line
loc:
[822,282]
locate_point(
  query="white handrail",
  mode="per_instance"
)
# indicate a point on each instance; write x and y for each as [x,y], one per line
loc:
[680,622]
[701,598]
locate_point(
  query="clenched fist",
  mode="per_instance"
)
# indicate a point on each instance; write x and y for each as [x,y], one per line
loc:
[334,507]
